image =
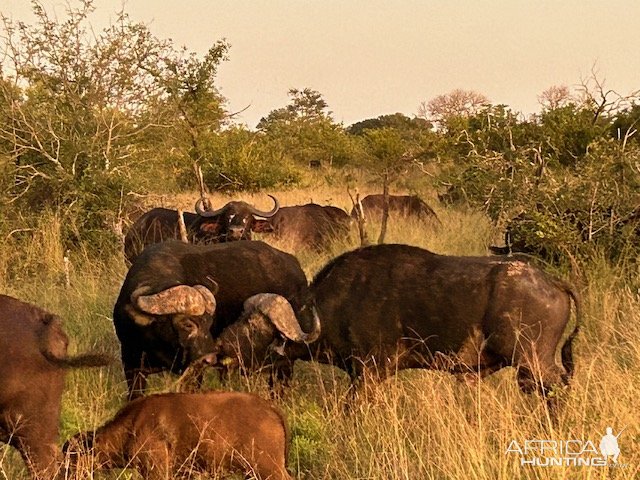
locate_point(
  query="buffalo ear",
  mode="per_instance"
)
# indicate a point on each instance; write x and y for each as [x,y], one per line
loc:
[138,318]
[262,226]
[277,346]
[211,226]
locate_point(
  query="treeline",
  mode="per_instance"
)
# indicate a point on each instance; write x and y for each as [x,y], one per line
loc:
[90,120]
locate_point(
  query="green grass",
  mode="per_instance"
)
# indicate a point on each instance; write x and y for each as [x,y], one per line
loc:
[416,425]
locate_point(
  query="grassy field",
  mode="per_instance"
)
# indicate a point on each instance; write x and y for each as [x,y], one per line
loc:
[416,425]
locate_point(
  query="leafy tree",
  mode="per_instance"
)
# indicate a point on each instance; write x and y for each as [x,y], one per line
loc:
[82,111]
[387,156]
[306,129]
[246,160]
[398,121]
[568,131]
[192,109]
[626,124]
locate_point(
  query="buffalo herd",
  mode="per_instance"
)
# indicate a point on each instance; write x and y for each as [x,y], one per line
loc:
[221,304]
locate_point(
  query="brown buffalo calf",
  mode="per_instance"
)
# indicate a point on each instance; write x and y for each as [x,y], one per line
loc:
[173,434]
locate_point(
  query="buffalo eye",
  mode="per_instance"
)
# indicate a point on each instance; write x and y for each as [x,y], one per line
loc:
[192,328]
[188,326]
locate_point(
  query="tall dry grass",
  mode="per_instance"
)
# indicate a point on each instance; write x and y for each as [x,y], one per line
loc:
[415,425]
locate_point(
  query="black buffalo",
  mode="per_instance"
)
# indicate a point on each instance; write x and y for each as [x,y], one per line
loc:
[176,296]
[309,225]
[389,307]
[401,205]
[233,221]
[33,361]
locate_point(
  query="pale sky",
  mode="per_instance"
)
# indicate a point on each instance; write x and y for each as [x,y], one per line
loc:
[373,57]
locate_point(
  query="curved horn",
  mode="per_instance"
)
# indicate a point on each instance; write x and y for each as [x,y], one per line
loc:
[207,213]
[184,299]
[209,299]
[279,311]
[270,213]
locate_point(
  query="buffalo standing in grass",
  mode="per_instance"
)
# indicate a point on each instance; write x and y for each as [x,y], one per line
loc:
[33,361]
[401,205]
[233,221]
[310,225]
[177,295]
[164,436]
[389,307]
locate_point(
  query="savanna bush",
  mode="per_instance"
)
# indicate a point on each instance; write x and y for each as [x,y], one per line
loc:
[238,159]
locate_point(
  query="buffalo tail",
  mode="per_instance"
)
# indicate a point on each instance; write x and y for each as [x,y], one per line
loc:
[566,353]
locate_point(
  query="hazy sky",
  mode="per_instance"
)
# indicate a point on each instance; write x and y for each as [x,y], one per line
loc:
[371,57]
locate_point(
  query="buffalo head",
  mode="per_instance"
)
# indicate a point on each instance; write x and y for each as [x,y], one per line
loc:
[179,316]
[260,335]
[234,221]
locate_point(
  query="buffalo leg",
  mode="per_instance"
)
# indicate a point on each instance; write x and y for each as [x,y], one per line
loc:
[365,377]
[42,457]
[155,460]
[136,381]
[134,370]
[472,376]
[529,382]
[279,378]
[268,468]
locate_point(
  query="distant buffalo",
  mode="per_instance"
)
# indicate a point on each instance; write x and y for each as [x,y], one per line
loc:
[389,307]
[310,225]
[33,361]
[176,296]
[233,221]
[176,434]
[401,205]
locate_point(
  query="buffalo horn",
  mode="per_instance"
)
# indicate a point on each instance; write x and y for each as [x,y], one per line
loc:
[196,301]
[279,311]
[270,213]
[203,212]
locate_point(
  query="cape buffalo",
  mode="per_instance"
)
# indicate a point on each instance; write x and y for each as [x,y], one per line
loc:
[33,360]
[161,435]
[233,221]
[257,340]
[389,307]
[309,225]
[177,295]
[403,205]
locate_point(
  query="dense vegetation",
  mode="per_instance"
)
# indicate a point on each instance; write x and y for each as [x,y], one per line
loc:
[95,125]
[92,121]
